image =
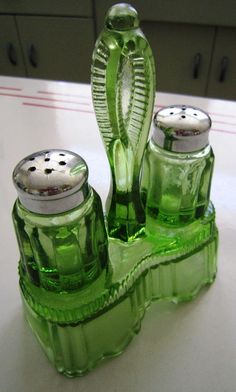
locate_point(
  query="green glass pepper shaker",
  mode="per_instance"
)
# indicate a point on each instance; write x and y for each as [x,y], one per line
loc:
[178,166]
[59,222]
[123,87]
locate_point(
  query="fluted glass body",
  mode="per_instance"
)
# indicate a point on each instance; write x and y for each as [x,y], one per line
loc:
[66,251]
[176,186]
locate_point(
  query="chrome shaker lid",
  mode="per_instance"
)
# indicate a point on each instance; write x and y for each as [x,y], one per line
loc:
[51,181]
[181,128]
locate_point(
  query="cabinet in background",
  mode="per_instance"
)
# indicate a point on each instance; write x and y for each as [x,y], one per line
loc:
[222,78]
[11,59]
[193,43]
[58,48]
[182,54]
[47,7]
[200,12]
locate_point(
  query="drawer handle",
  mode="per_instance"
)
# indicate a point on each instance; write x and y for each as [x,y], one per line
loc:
[11,52]
[223,68]
[33,56]
[196,65]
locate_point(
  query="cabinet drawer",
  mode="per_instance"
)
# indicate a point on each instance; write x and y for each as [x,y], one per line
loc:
[11,59]
[47,7]
[182,54]
[57,48]
[222,80]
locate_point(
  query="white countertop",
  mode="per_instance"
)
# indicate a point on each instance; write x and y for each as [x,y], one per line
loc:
[181,348]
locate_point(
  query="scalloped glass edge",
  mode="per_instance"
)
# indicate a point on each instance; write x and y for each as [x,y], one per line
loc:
[78,330]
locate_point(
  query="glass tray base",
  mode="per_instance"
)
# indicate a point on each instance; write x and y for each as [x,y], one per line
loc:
[78,330]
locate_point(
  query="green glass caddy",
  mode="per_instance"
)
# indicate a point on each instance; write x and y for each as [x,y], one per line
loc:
[87,277]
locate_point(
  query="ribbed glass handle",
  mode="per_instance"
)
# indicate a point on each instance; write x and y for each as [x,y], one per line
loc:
[123,87]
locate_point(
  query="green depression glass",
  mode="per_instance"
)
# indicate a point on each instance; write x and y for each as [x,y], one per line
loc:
[123,88]
[66,250]
[180,191]
[178,166]
[83,304]
[79,329]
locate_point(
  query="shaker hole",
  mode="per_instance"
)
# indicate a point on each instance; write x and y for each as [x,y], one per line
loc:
[183,116]
[48,171]
[195,114]
[32,159]
[171,113]
[32,168]
[62,155]
[62,163]
[47,159]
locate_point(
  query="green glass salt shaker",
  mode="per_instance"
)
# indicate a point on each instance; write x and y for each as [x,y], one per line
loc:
[178,166]
[58,221]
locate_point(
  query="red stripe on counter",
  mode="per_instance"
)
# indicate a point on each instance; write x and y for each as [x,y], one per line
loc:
[223,131]
[90,111]
[42,98]
[157,106]
[10,88]
[63,94]
[223,115]
[223,122]
[56,107]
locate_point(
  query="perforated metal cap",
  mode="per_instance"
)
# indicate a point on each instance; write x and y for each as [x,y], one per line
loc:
[51,181]
[181,128]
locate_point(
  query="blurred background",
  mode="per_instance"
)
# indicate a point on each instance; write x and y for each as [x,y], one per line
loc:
[193,41]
